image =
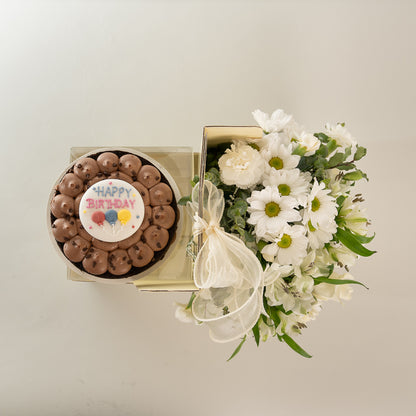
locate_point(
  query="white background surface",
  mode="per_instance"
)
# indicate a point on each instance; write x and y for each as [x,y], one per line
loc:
[145,73]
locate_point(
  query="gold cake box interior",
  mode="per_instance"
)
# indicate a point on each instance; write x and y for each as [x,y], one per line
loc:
[175,273]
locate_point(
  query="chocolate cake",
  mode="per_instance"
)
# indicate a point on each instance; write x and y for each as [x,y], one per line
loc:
[113,214]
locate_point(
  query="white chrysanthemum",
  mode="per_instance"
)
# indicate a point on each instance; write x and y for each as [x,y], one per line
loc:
[278,155]
[338,293]
[291,182]
[335,183]
[184,315]
[288,248]
[321,208]
[353,215]
[319,236]
[241,165]
[274,123]
[270,212]
[342,136]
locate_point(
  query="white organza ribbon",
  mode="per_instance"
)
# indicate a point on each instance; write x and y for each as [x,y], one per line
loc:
[228,273]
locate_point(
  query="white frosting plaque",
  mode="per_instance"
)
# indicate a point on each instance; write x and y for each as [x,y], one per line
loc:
[111,210]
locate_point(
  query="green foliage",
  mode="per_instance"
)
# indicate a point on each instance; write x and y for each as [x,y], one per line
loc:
[191,300]
[295,347]
[350,240]
[184,200]
[319,280]
[355,176]
[237,350]
[256,332]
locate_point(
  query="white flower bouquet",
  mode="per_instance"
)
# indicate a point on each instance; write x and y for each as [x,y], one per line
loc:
[279,227]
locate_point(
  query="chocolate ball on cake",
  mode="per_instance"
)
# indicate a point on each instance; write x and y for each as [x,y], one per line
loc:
[164,216]
[130,165]
[86,168]
[149,176]
[71,185]
[141,254]
[76,248]
[64,229]
[62,206]
[143,192]
[160,194]
[156,237]
[119,262]
[96,261]
[108,162]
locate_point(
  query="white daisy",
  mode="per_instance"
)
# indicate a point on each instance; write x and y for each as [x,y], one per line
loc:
[241,165]
[278,155]
[291,182]
[321,208]
[288,248]
[342,136]
[270,212]
[320,235]
[274,123]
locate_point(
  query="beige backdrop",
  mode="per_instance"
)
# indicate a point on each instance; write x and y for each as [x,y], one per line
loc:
[144,73]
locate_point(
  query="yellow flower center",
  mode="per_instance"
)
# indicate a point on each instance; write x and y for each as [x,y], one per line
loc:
[272,209]
[315,204]
[311,227]
[276,162]
[284,189]
[285,241]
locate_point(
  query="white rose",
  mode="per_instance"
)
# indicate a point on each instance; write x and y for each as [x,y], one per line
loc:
[241,165]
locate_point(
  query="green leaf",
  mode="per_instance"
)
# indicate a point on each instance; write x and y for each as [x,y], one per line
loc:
[240,221]
[341,199]
[189,305]
[195,180]
[336,159]
[327,271]
[332,145]
[322,151]
[347,152]
[184,200]
[320,163]
[240,205]
[319,280]
[261,244]
[299,150]
[237,350]
[295,347]
[355,176]
[322,137]
[360,153]
[350,241]
[346,167]
[364,239]
[256,333]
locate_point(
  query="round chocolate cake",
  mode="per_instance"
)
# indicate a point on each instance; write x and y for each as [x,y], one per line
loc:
[113,214]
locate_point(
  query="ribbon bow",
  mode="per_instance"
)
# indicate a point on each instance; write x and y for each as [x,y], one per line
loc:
[228,274]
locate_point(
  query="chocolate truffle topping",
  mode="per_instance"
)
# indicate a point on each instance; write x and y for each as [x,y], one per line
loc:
[147,218]
[160,194]
[104,245]
[77,202]
[70,185]
[133,239]
[164,216]
[156,237]
[86,168]
[62,206]
[64,229]
[149,176]
[130,165]
[95,262]
[76,248]
[81,231]
[143,192]
[122,176]
[119,262]
[141,254]
[133,254]
[108,162]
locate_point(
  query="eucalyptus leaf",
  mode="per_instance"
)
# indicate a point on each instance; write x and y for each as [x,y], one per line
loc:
[336,159]
[360,153]
[322,137]
[184,200]
[332,145]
